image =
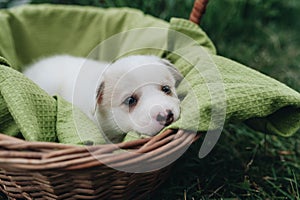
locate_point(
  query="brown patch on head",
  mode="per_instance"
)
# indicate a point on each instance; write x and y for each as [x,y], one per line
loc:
[100,91]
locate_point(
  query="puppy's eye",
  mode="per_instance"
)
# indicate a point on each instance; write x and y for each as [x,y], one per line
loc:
[166,89]
[130,101]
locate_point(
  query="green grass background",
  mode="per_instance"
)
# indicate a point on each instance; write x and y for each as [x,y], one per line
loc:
[245,164]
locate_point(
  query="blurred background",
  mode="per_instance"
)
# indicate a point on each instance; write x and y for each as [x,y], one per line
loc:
[264,35]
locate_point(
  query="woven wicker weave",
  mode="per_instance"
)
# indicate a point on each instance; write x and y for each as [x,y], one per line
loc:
[43,170]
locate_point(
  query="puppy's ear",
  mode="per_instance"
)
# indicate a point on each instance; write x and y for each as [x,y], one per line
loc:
[174,71]
[99,97]
[99,94]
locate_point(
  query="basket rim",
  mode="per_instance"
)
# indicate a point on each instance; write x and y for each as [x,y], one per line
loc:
[26,155]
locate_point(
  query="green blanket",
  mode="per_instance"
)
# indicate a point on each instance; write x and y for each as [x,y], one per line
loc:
[215,90]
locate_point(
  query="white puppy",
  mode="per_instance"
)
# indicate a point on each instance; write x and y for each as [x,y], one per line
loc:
[135,93]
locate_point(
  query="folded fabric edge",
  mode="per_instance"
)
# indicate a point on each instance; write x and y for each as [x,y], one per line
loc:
[284,122]
[4,62]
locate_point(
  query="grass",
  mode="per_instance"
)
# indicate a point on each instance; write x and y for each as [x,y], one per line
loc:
[261,34]
[245,164]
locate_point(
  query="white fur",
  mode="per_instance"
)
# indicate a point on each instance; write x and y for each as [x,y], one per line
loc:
[78,79]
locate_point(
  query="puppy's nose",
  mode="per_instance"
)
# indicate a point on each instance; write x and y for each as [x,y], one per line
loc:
[165,118]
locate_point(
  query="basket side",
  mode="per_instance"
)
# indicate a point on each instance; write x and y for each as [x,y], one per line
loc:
[40,170]
[97,183]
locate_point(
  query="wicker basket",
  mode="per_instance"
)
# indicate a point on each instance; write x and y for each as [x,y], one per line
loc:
[44,170]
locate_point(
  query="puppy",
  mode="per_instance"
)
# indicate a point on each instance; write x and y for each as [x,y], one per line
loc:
[135,93]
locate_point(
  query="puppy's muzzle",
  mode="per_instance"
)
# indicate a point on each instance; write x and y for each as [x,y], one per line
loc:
[165,118]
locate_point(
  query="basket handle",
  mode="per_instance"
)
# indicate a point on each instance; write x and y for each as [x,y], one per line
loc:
[198,11]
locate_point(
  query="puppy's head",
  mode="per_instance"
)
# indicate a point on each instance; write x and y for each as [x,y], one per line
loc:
[137,93]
